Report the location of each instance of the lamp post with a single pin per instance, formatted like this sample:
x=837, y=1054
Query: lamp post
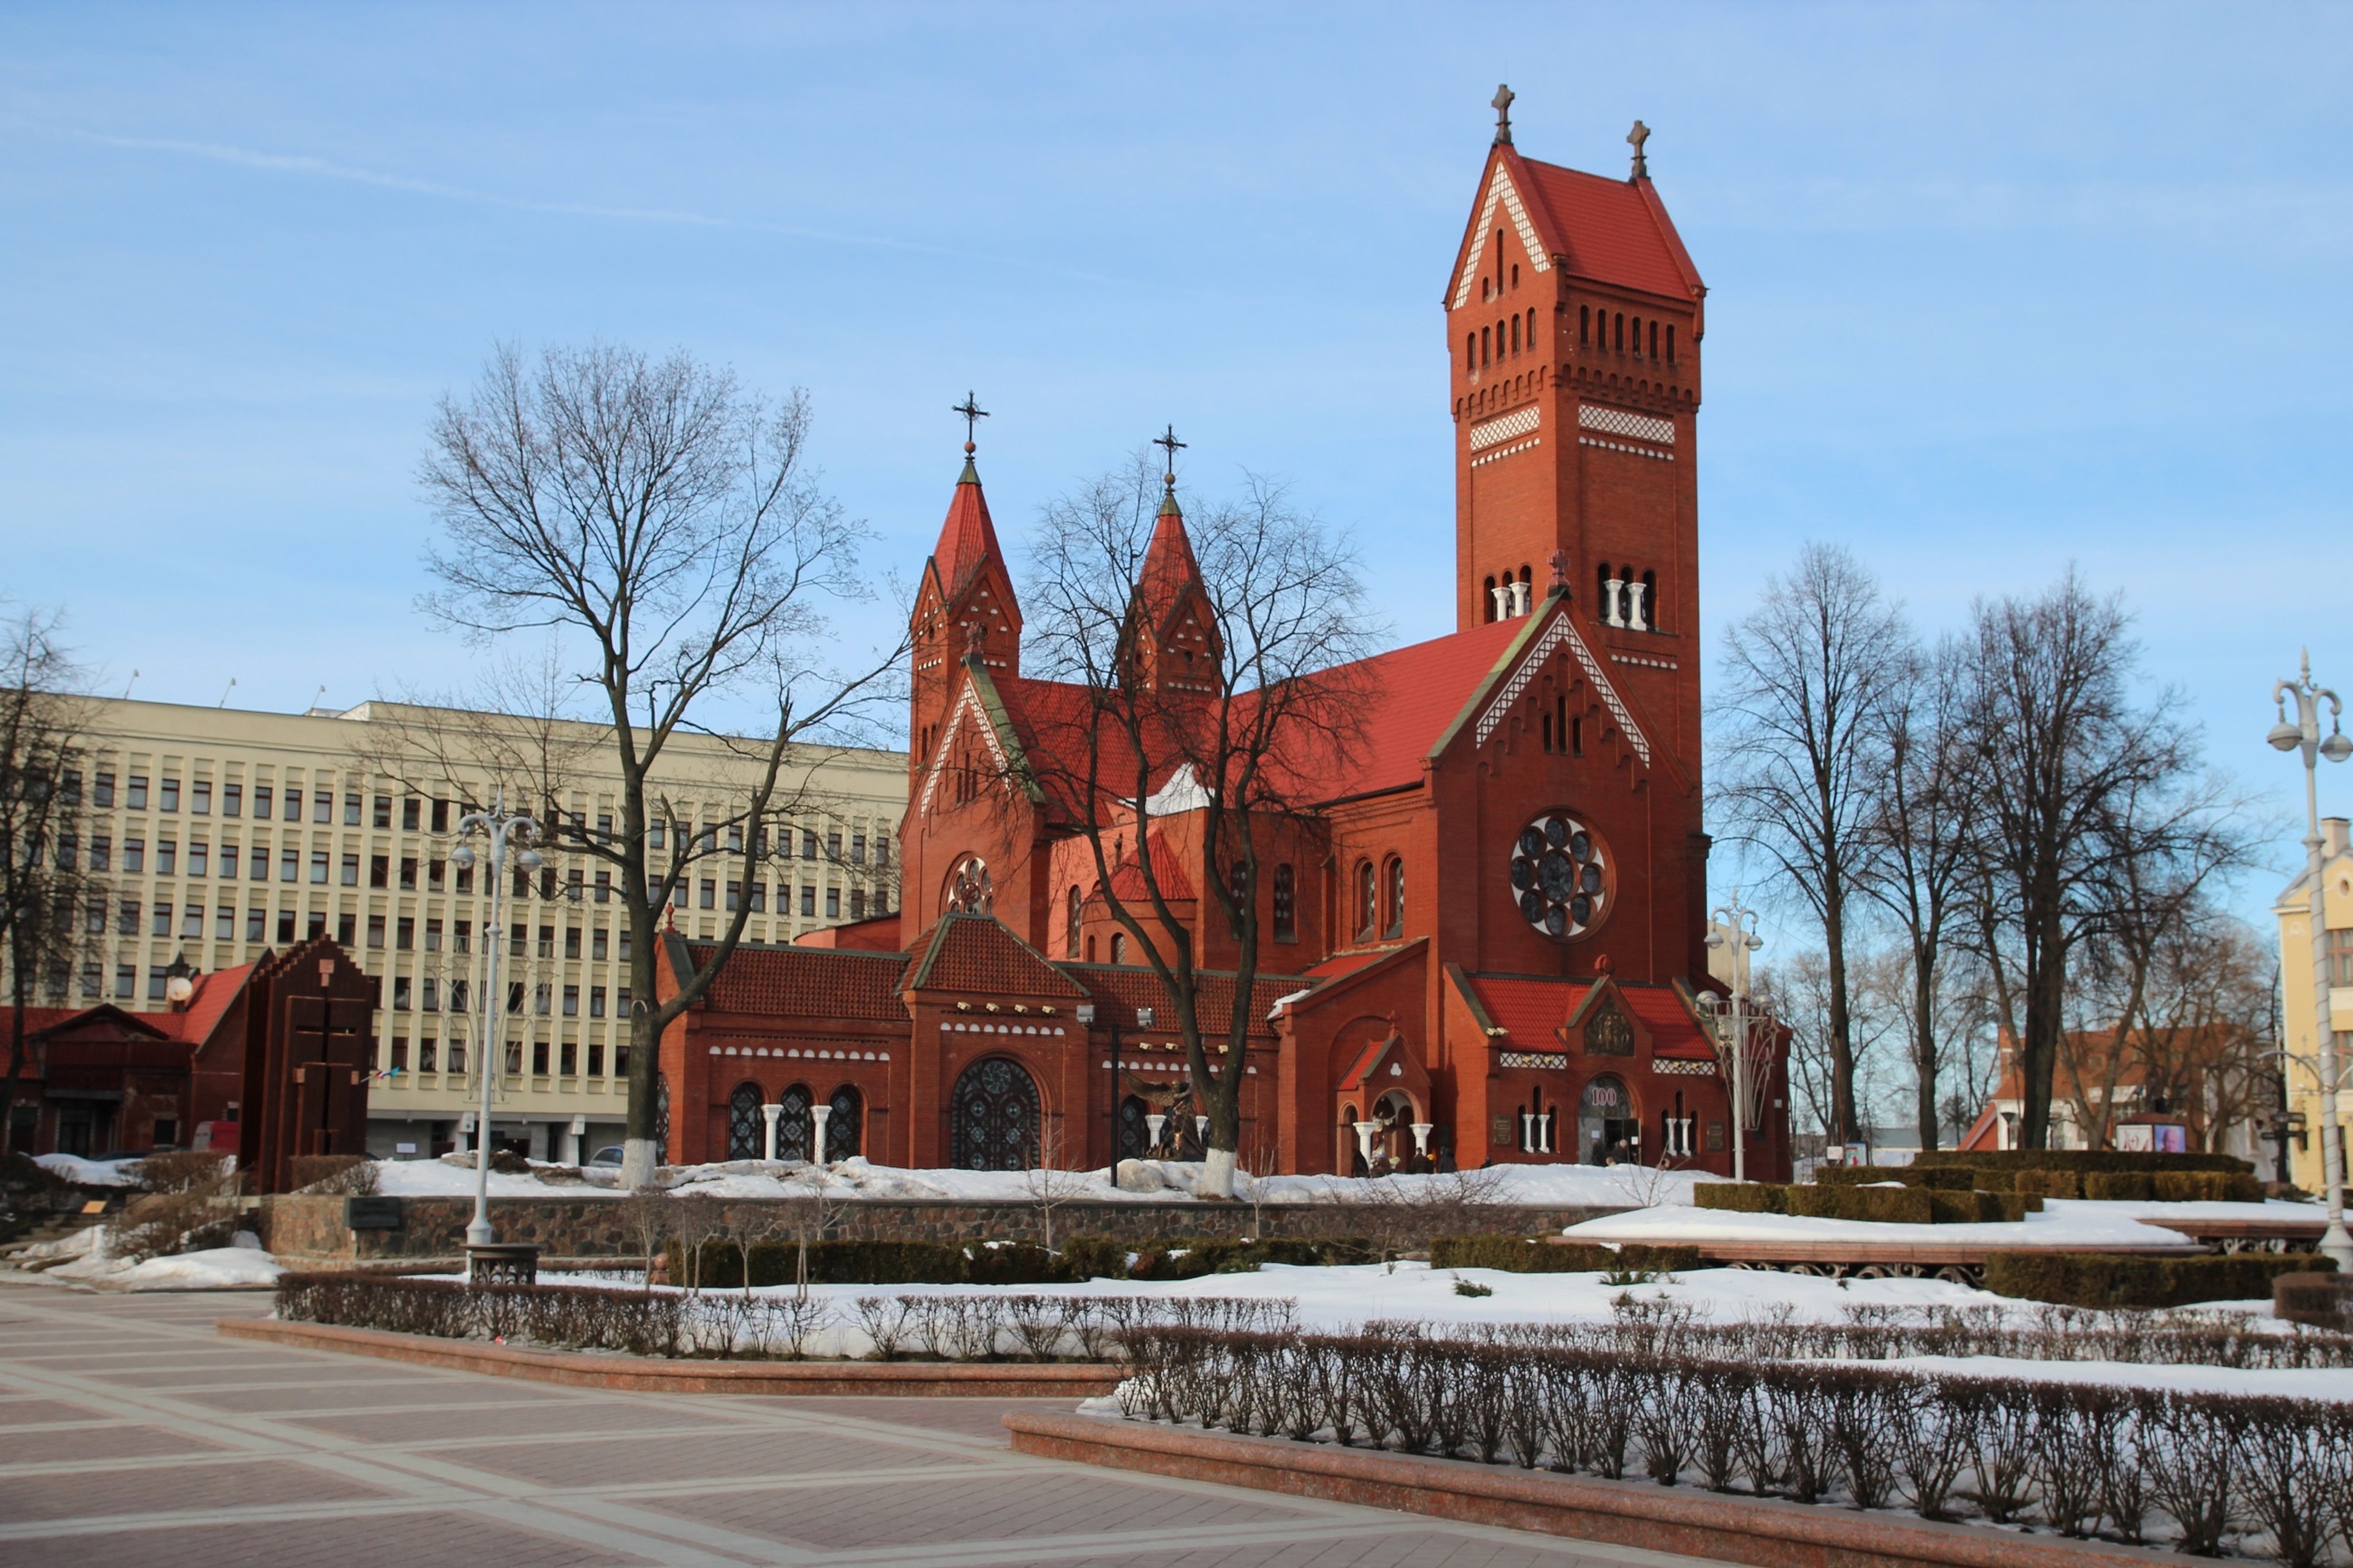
x=1737, y=925
x=1086, y=1015
x=2302, y=734
x=502, y=830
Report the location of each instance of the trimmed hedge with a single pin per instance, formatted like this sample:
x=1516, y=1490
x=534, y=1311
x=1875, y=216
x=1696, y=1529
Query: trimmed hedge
x=1937, y=1178
x=1191, y=1257
x=836, y=1263
x=1876, y=1204
x=1518, y=1255
x=2315, y=1300
x=2084, y=1160
x=2108, y=1280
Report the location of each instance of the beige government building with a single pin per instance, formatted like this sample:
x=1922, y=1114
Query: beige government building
x=221, y=833
x=2297, y=1002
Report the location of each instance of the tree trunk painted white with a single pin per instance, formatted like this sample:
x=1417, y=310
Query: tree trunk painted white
x=1218, y=1174
x=638, y=1156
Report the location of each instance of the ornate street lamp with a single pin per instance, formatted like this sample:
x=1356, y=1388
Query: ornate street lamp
x=502, y=831
x=2303, y=733
x=1735, y=926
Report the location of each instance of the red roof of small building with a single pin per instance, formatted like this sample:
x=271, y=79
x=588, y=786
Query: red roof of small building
x=214, y=992
x=1530, y=1011
x=805, y=983
x=1613, y=231
x=1130, y=987
x=979, y=953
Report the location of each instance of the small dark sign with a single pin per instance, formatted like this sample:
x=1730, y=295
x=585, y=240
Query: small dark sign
x=372, y=1214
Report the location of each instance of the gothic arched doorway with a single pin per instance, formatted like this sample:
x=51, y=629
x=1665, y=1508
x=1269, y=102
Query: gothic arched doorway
x=993, y=1117
x=845, y=1131
x=745, y=1126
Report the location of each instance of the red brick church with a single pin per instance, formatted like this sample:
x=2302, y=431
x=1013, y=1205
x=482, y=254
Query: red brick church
x=1484, y=942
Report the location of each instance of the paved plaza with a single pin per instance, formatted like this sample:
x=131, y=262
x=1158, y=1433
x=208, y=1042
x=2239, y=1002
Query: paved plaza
x=130, y=1434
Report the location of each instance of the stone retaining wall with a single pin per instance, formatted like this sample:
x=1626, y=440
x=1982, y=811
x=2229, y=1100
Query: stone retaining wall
x=307, y=1230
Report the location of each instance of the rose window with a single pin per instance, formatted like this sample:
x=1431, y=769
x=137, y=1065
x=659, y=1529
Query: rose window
x=969, y=890
x=1560, y=878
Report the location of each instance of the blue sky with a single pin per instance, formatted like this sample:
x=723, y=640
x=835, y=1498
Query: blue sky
x=1993, y=288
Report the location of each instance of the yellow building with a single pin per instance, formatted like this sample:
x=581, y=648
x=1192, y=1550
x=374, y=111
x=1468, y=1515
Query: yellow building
x=2296, y=1002
x=221, y=834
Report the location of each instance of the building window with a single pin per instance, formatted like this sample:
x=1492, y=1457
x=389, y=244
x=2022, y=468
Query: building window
x=1369, y=903
x=286, y=925
x=261, y=803
x=319, y=809
x=596, y=1001
x=708, y=894
x=858, y=849
x=126, y=981
x=1119, y=947
x=1394, y=893
x=192, y=922
x=543, y=998
x=400, y=996
x=134, y=855
x=155, y=983
x=346, y=927
x=1070, y=925
x=166, y=857
x=404, y=933
x=412, y=810
x=604, y=892
x=200, y=798
x=379, y=871
x=232, y=800
x=258, y=867
x=808, y=844
x=409, y=874
x=103, y=789
x=102, y=850
x=597, y=943
x=833, y=903
x=168, y=795
x=547, y=941
x=858, y=903
x=162, y=923
x=199, y=860
x=808, y=899
x=572, y=1001
x=351, y=871
x=225, y=923
x=228, y=860
x=430, y=999
x=758, y=894
x=127, y=918
x=255, y=922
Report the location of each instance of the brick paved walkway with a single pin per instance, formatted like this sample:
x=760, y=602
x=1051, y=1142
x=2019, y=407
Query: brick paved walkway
x=129, y=1432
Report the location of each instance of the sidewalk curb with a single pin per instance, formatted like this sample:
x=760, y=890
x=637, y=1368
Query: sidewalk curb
x=995, y=1380
x=1764, y=1532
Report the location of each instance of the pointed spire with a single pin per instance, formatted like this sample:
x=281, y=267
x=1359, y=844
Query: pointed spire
x=967, y=538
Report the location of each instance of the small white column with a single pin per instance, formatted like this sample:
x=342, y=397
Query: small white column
x=1502, y=592
x=1421, y=1136
x=1154, y=1123
x=769, y=1114
x=1519, y=598
x=1365, y=1131
x=818, y=1116
x=1610, y=615
x=1637, y=614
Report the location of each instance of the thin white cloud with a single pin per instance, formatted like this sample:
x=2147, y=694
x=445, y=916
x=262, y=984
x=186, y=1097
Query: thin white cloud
x=326, y=169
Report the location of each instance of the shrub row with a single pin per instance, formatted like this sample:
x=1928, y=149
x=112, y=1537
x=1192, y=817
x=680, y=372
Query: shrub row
x=2315, y=1300
x=2081, y=1160
x=2165, y=1185
x=2108, y=1279
x=721, y=1264
x=1879, y=1205
x=721, y=1324
x=1525, y=1255
x=2208, y=1471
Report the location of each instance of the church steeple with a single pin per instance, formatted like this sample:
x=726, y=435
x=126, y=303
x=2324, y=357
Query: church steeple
x=1172, y=631
x=964, y=605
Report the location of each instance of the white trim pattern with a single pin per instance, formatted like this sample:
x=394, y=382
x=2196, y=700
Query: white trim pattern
x=1554, y=1060
x=1621, y=422
x=1500, y=189
x=1561, y=633
x=1676, y=1067
x=968, y=700
x=1629, y=451
x=1514, y=449
x=1503, y=427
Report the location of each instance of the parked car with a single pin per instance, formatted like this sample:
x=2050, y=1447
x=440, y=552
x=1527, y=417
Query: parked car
x=610, y=1154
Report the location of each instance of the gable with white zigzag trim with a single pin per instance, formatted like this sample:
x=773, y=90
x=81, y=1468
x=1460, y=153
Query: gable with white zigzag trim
x=1561, y=633
x=967, y=702
x=1501, y=192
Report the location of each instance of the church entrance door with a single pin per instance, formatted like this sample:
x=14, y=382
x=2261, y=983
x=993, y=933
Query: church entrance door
x=1606, y=1126
x=993, y=1117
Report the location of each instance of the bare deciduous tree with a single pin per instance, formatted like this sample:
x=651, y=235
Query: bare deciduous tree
x=666, y=526
x=1802, y=749
x=2087, y=803
x=44, y=887
x=1265, y=704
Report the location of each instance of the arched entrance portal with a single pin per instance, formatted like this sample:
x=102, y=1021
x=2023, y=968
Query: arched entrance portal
x=1606, y=1126
x=993, y=1117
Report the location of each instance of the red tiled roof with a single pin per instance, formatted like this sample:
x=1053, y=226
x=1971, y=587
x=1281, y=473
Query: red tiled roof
x=1530, y=1010
x=1614, y=231
x=979, y=953
x=967, y=538
x=1342, y=964
x=1127, y=878
x=807, y=983
x=1168, y=563
x=1411, y=694
x=214, y=994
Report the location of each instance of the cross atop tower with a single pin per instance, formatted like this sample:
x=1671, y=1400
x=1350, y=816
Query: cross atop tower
x=1501, y=105
x=972, y=415
x=1635, y=138
x=1166, y=441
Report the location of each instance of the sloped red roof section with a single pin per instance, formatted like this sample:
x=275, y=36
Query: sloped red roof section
x=1168, y=565
x=1674, y=1031
x=214, y=994
x=1130, y=987
x=1410, y=695
x=807, y=983
x=1529, y=1011
x=967, y=538
x=1613, y=231
x=1127, y=878
x=977, y=952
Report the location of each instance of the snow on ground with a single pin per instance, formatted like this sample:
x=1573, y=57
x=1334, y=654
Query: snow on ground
x=243, y=1263
x=1592, y=1186
x=90, y=1172
x=2062, y=1222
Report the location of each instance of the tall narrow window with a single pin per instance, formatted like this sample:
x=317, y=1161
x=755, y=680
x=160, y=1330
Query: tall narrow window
x=1654, y=340
x=1368, y=902
x=1394, y=897
x=1619, y=331
x=1638, y=335
x=1470, y=350
x=1649, y=601
x=1671, y=343
x=1516, y=333
x=1070, y=932
x=1485, y=354
x=1491, y=596
x=1584, y=325
x=1532, y=326
x=1286, y=904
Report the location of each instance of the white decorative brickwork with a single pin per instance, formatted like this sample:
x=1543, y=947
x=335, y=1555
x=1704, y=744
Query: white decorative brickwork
x=1551, y=1060
x=1500, y=453
x=1675, y=1067
x=1620, y=422
x=1499, y=189
x=1631, y=451
x=1559, y=634
x=1503, y=427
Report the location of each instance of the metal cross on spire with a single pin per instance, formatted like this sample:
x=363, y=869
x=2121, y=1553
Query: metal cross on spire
x=1501, y=105
x=972, y=415
x=1635, y=138
x=1166, y=441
